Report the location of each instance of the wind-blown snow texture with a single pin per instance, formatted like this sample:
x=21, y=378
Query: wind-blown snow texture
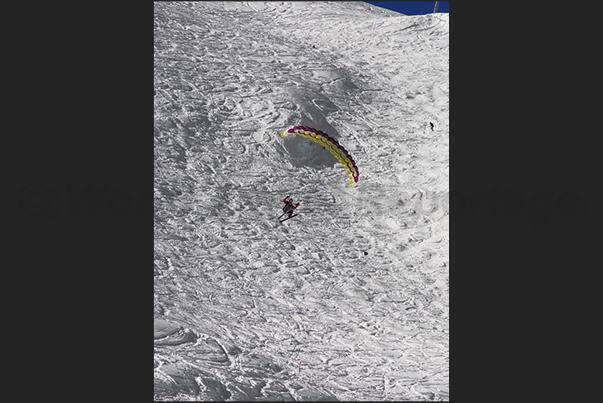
x=240, y=299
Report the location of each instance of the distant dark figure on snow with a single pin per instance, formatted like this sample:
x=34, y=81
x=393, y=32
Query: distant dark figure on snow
x=431, y=124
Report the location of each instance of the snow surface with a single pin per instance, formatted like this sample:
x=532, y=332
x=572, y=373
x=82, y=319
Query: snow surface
x=240, y=299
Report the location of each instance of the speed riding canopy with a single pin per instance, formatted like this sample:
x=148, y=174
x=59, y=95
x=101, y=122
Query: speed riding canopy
x=330, y=144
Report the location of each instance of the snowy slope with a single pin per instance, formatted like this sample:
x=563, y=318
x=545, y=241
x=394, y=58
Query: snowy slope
x=240, y=299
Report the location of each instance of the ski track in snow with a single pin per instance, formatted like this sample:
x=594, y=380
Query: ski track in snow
x=240, y=299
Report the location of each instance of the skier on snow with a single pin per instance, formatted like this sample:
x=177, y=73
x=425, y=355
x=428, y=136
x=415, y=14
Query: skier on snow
x=289, y=207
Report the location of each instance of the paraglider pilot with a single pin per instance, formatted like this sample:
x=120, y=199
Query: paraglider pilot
x=289, y=207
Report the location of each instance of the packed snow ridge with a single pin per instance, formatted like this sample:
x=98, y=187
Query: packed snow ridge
x=355, y=288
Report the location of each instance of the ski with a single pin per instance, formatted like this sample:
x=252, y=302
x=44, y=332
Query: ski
x=287, y=218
